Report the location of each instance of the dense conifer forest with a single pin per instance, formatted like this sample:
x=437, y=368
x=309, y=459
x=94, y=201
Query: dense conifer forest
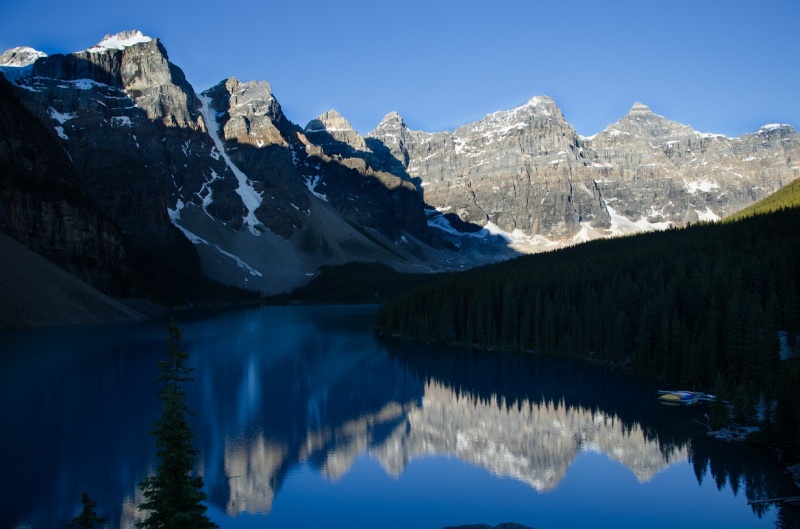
x=786, y=198
x=701, y=307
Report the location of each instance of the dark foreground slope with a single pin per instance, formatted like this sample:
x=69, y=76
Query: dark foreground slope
x=36, y=292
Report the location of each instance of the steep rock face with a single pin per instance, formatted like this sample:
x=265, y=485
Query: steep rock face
x=254, y=136
x=290, y=167
x=335, y=135
x=139, y=148
x=137, y=64
x=43, y=205
x=658, y=170
x=113, y=106
x=250, y=113
x=265, y=202
x=263, y=205
x=517, y=169
x=528, y=172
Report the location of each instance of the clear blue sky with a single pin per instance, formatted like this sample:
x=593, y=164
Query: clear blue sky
x=726, y=67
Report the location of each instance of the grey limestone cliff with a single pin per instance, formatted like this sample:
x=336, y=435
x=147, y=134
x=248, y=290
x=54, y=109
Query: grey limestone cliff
x=265, y=202
x=335, y=134
x=44, y=206
x=263, y=205
x=529, y=173
x=126, y=117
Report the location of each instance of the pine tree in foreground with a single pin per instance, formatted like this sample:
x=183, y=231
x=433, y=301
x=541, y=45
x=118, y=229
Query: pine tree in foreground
x=88, y=516
x=173, y=497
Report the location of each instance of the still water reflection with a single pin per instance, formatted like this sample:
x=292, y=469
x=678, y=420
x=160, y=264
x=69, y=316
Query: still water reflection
x=305, y=419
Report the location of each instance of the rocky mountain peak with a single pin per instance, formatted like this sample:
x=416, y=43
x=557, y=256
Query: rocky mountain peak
x=392, y=120
x=20, y=57
x=640, y=109
x=330, y=128
x=129, y=62
x=253, y=98
x=154, y=156
x=120, y=41
x=330, y=121
x=247, y=112
x=544, y=104
x=537, y=111
x=235, y=86
x=642, y=123
x=780, y=128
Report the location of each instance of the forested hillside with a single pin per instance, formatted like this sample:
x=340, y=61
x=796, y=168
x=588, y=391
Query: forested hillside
x=699, y=307
x=787, y=197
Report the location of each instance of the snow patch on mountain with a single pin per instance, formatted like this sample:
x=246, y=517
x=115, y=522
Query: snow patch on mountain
x=505, y=121
x=250, y=197
x=703, y=185
x=175, y=217
x=61, y=117
x=711, y=135
x=17, y=63
x=516, y=240
x=312, y=186
x=20, y=57
x=121, y=121
x=773, y=126
x=440, y=222
x=707, y=215
x=206, y=193
x=622, y=225
x=87, y=84
x=120, y=41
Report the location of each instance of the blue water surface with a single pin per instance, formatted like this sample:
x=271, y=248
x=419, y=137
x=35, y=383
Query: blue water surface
x=305, y=418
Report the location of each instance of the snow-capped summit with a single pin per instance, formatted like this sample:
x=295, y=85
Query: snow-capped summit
x=120, y=41
x=770, y=127
x=20, y=57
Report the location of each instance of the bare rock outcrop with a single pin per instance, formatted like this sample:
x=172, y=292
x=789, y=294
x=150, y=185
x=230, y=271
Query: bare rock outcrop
x=529, y=173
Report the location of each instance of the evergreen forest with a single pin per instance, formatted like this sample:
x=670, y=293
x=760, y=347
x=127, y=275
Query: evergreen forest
x=704, y=307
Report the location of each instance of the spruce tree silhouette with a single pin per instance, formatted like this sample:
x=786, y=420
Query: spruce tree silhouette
x=88, y=516
x=173, y=497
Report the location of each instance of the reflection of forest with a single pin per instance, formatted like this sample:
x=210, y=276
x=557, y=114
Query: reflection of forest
x=628, y=399
x=396, y=413
x=526, y=418
x=323, y=397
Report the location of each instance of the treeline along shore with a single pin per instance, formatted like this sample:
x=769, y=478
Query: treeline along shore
x=704, y=307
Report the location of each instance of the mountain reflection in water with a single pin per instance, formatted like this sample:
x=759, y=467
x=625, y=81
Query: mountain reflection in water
x=280, y=389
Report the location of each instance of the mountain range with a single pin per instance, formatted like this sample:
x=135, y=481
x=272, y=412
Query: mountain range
x=118, y=171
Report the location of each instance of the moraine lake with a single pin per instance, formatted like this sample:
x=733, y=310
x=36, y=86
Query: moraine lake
x=304, y=418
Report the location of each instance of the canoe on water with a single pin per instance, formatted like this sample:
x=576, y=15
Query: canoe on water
x=685, y=395
x=678, y=397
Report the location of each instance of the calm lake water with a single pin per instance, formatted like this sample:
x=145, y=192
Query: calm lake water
x=305, y=419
